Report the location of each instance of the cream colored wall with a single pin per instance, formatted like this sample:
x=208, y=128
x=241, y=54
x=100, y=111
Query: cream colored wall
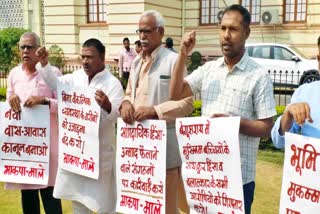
x=122, y=21
x=32, y=16
x=61, y=24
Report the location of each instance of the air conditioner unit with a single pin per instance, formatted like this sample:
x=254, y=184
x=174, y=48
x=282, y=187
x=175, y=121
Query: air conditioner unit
x=270, y=17
x=219, y=15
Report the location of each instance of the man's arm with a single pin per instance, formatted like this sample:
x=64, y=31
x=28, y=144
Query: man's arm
x=171, y=110
x=256, y=128
x=179, y=88
x=126, y=108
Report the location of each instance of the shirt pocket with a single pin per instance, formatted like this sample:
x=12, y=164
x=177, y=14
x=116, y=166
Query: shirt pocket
x=164, y=90
x=239, y=98
x=42, y=89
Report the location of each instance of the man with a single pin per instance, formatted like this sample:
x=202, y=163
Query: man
x=25, y=86
x=234, y=85
x=138, y=47
x=88, y=194
x=301, y=115
x=126, y=58
x=147, y=95
x=169, y=44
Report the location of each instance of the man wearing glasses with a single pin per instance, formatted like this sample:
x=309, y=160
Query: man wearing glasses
x=147, y=95
x=26, y=87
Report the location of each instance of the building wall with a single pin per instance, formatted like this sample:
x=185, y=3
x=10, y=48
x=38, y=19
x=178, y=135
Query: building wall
x=66, y=25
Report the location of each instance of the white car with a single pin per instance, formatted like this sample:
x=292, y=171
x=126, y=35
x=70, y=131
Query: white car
x=285, y=63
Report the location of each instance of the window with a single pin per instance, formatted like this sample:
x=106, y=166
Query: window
x=263, y=52
x=295, y=10
x=282, y=54
x=253, y=6
x=96, y=11
x=209, y=12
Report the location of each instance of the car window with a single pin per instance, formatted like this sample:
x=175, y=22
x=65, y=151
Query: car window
x=249, y=50
x=261, y=52
x=281, y=53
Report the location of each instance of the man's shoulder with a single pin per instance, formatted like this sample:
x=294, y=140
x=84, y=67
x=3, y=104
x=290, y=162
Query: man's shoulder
x=312, y=87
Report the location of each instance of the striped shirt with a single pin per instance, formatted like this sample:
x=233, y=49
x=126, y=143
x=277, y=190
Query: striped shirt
x=245, y=91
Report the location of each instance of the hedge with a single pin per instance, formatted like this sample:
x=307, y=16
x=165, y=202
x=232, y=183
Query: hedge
x=3, y=92
x=265, y=143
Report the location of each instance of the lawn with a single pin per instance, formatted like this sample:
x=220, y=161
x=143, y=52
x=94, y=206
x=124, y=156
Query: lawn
x=267, y=194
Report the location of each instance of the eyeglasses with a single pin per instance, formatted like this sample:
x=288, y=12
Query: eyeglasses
x=145, y=31
x=23, y=47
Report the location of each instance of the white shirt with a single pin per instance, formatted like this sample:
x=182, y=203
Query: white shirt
x=98, y=195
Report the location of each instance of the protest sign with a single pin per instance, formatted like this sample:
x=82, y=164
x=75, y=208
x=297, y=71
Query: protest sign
x=141, y=167
x=25, y=144
x=211, y=171
x=300, y=190
x=79, y=119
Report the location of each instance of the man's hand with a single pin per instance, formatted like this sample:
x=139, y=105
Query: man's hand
x=220, y=115
x=42, y=55
x=187, y=43
x=143, y=113
x=299, y=112
x=14, y=102
x=103, y=100
x=34, y=100
x=127, y=112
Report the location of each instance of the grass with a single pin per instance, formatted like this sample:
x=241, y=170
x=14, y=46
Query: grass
x=268, y=182
x=267, y=194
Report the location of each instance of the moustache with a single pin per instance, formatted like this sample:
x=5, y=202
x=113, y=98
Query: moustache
x=144, y=41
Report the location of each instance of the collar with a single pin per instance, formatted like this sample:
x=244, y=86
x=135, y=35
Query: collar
x=241, y=65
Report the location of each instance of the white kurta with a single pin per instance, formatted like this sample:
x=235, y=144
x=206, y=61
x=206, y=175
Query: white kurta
x=98, y=195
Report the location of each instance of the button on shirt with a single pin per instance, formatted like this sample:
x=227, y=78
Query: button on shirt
x=309, y=93
x=245, y=91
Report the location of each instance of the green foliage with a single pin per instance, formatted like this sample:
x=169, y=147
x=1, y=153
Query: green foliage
x=114, y=70
x=3, y=92
x=9, y=38
x=195, y=62
x=56, y=56
x=266, y=143
x=196, y=108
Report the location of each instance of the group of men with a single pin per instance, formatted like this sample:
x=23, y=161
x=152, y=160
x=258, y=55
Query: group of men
x=233, y=85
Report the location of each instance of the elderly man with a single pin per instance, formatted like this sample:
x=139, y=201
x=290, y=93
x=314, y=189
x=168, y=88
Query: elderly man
x=147, y=94
x=26, y=86
x=232, y=85
x=88, y=194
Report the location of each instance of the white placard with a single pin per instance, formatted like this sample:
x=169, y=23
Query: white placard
x=211, y=171
x=300, y=190
x=141, y=167
x=79, y=119
x=25, y=144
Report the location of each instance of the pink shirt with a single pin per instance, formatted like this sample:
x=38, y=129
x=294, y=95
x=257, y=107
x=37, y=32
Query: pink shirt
x=25, y=85
x=125, y=59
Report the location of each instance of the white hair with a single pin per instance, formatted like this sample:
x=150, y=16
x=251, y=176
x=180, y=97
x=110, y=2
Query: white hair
x=31, y=34
x=159, y=18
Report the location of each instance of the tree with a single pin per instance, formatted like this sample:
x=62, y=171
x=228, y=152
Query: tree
x=56, y=56
x=9, y=38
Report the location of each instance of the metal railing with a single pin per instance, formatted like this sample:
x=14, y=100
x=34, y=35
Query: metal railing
x=284, y=82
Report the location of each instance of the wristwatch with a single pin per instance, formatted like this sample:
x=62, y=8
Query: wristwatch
x=46, y=101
